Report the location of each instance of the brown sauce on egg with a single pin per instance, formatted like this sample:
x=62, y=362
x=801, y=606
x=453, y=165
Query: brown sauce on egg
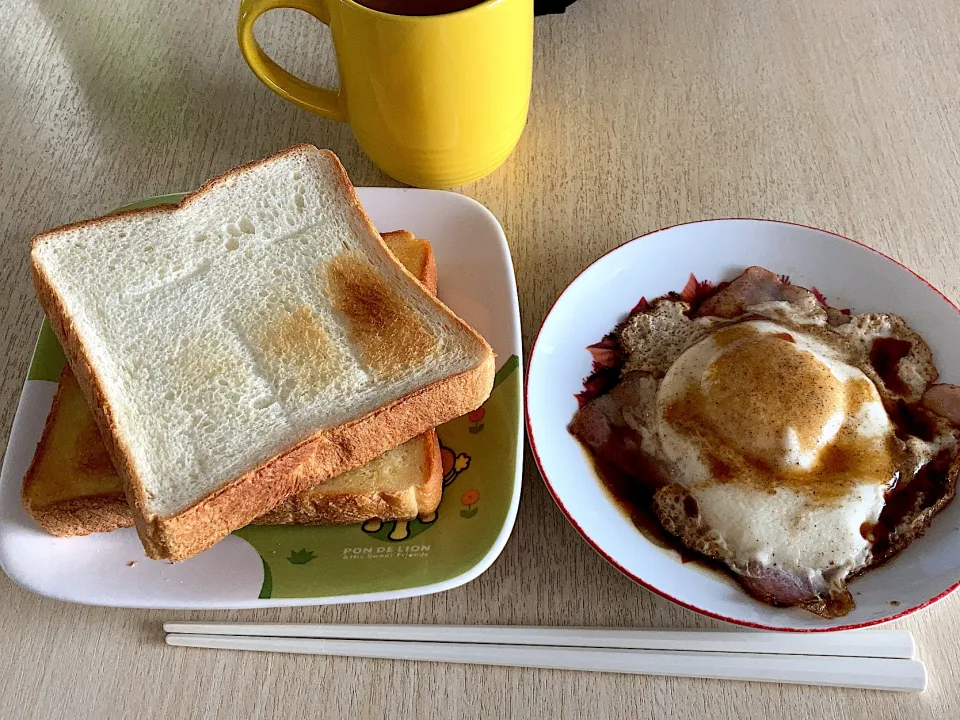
x=633, y=493
x=885, y=356
x=633, y=489
x=910, y=505
x=739, y=421
x=631, y=478
x=912, y=420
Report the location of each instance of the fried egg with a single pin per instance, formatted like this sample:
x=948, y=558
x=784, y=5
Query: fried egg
x=794, y=443
x=785, y=446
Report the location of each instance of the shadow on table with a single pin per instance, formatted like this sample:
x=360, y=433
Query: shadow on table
x=165, y=91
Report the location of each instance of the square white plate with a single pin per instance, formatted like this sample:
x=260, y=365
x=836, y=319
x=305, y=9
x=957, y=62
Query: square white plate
x=308, y=565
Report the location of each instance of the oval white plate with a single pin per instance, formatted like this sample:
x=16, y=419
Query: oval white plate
x=850, y=275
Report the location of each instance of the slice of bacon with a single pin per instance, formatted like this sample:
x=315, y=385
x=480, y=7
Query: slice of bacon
x=598, y=383
x=821, y=298
x=641, y=306
x=605, y=353
x=753, y=286
x=694, y=292
x=944, y=400
x=689, y=292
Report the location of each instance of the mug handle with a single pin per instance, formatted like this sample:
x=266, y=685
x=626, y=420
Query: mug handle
x=284, y=83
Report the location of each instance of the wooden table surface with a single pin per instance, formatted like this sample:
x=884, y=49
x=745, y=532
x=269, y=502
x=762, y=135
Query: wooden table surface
x=842, y=115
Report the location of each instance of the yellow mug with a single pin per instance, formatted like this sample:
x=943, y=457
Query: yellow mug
x=435, y=101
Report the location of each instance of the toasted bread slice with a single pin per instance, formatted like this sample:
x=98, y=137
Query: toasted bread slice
x=73, y=489
x=399, y=484
x=248, y=343
x=416, y=255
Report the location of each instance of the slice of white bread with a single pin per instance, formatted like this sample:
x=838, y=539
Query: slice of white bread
x=250, y=342
x=72, y=488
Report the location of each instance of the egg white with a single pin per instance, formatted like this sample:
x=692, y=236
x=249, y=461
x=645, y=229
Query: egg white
x=781, y=528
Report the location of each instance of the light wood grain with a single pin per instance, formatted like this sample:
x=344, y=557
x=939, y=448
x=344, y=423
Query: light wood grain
x=842, y=115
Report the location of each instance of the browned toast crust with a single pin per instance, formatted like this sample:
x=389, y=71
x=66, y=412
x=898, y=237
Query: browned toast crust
x=84, y=515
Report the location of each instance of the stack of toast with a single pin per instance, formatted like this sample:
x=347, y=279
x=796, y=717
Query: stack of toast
x=256, y=353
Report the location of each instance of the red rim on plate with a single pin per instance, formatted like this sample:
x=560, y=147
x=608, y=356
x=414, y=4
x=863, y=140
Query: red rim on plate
x=608, y=558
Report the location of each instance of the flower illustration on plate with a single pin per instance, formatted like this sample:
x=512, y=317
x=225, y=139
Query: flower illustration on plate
x=469, y=499
x=476, y=418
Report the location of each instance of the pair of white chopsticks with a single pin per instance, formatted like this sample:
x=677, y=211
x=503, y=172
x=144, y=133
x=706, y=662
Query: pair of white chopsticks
x=873, y=659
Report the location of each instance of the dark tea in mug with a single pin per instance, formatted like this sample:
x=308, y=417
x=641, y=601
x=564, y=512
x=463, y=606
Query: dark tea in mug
x=418, y=7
